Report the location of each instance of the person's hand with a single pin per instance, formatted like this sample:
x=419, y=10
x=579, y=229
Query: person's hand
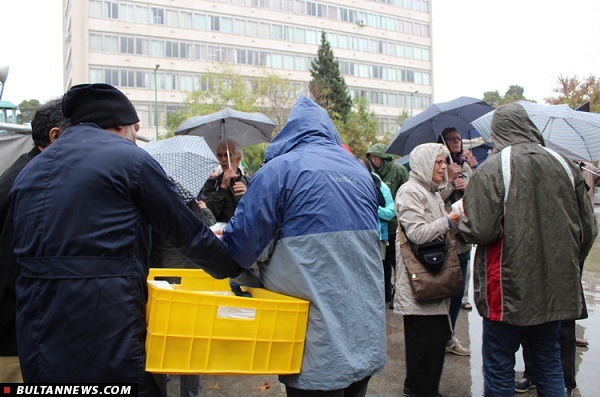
x=459, y=184
x=245, y=279
x=239, y=189
x=227, y=177
x=454, y=217
x=453, y=172
x=201, y=204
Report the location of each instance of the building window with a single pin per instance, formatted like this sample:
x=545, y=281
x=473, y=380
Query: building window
x=158, y=16
x=112, y=10
x=127, y=78
x=199, y=21
x=172, y=49
x=127, y=13
x=95, y=8
x=142, y=14
x=214, y=22
x=142, y=46
x=111, y=77
x=126, y=45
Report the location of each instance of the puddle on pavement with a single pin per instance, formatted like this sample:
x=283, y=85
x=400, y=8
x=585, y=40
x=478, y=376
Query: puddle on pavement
x=587, y=360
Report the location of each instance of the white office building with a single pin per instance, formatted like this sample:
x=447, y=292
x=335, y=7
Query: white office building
x=384, y=48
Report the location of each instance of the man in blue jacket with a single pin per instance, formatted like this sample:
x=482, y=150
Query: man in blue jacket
x=83, y=213
x=46, y=126
x=311, y=210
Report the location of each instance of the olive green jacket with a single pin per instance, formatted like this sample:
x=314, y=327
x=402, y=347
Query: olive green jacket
x=530, y=249
x=392, y=173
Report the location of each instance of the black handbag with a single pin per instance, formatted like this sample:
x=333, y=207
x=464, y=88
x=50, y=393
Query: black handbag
x=431, y=254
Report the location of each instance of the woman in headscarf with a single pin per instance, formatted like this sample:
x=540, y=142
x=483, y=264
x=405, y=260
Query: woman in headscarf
x=422, y=214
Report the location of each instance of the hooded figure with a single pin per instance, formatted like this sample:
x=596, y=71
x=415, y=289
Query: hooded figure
x=312, y=209
x=422, y=214
x=547, y=223
x=394, y=175
x=528, y=210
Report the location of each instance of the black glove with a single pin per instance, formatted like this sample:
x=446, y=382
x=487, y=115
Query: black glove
x=246, y=278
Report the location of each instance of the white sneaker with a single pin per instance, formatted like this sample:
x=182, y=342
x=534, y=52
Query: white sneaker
x=453, y=346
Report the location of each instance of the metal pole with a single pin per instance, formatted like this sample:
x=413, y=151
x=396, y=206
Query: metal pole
x=156, y=100
x=412, y=96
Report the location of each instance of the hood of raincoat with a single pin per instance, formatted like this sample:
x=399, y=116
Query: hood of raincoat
x=378, y=150
x=422, y=161
x=307, y=123
x=511, y=125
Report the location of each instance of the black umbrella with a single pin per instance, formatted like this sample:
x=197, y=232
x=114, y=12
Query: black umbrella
x=428, y=125
x=243, y=127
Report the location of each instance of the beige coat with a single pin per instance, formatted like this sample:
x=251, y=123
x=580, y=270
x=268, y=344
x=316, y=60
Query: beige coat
x=421, y=211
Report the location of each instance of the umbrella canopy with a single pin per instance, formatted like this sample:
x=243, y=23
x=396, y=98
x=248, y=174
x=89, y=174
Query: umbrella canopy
x=428, y=125
x=243, y=127
x=187, y=160
x=573, y=134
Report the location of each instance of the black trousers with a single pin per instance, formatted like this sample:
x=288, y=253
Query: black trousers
x=389, y=264
x=425, y=339
x=567, y=354
x=357, y=389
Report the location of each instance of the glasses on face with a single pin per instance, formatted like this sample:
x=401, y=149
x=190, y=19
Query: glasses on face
x=222, y=155
x=440, y=163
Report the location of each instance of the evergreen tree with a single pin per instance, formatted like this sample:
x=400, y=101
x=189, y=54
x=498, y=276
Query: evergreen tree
x=27, y=111
x=327, y=86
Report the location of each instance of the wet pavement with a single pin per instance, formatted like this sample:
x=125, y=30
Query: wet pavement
x=462, y=376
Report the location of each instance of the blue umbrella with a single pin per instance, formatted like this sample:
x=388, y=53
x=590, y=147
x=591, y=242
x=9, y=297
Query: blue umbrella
x=428, y=125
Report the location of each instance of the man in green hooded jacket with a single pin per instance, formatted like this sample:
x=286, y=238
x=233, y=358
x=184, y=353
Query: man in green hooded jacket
x=394, y=175
x=528, y=211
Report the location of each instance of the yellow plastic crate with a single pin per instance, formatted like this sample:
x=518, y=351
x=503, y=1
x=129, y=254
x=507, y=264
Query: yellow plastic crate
x=192, y=329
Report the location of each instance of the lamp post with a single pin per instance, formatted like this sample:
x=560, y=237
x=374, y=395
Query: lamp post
x=156, y=100
x=3, y=77
x=412, y=99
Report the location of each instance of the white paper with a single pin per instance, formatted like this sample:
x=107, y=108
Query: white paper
x=160, y=284
x=457, y=207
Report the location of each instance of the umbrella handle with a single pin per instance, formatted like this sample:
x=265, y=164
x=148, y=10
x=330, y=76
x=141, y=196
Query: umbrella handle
x=224, y=134
x=588, y=170
x=445, y=144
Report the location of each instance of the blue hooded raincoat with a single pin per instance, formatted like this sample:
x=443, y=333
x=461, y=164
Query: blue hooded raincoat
x=310, y=213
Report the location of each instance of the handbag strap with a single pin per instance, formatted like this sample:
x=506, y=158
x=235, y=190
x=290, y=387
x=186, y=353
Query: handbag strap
x=404, y=239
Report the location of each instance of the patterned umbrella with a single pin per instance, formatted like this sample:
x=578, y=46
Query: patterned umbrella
x=576, y=135
x=187, y=160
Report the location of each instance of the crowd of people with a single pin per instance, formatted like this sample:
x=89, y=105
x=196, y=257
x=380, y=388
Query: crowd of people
x=86, y=212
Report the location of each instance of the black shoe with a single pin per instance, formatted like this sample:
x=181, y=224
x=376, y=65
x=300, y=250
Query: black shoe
x=523, y=384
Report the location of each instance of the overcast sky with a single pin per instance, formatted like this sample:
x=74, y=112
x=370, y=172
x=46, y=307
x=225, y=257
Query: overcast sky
x=479, y=46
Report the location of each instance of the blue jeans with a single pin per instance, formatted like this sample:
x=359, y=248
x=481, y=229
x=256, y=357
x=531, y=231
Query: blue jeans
x=456, y=300
x=500, y=343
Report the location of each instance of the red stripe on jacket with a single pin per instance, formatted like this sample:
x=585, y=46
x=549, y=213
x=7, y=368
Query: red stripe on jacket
x=493, y=261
